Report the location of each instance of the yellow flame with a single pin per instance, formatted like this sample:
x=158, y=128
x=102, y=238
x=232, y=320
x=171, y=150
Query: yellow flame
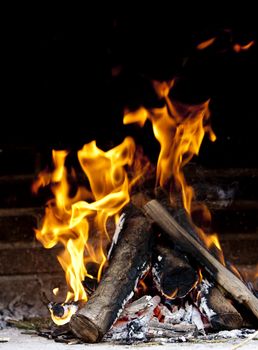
x=180, y=130
x=69, y=220
x=55, y=291
x=69, y=310
x=172, y=295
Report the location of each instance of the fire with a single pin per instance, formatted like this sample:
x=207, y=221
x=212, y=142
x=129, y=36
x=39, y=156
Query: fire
x=205, y=44
x=79, y=221
x=69, y=220
x=180, y=130
x=238, y=48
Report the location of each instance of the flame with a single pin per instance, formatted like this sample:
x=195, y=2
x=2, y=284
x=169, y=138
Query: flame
x=69, y=220
x=213, y=240
x=205, y=44
x=172, y=295
x=55, y=291
x=180, y=130
x=238, y=48
x=69, y=310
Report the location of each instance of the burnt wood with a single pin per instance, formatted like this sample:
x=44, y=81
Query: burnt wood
x=172, y=273
x=225, y=278
x=227, y=317
x=130, y=258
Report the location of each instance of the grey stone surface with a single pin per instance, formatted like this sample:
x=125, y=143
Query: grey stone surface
x=18, y=341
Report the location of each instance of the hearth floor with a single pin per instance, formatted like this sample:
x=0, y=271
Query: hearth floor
x=20, y=341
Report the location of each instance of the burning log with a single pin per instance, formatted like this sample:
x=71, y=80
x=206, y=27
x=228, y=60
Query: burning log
x=225, y=278
x=173, y=275
x=226, y=316
x=217, y=308
x=130, y=257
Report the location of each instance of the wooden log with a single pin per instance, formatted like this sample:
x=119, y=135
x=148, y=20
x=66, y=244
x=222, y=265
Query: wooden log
x=130, y=257
x=225, y=278
x=172, y=273
x=226, y=316
x=217, y=308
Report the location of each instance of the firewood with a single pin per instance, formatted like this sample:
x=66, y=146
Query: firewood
x=129, y=258
x=227, y=317
x=225, y=278
x=173, y=275
x=217, y=308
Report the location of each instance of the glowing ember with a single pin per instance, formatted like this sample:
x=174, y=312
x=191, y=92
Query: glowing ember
x=239, y=48
x=205, y=44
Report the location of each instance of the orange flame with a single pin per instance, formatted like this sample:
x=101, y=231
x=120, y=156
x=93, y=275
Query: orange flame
x=205, y=44
x=238, y=48
x=69, y=220
x=180, y=130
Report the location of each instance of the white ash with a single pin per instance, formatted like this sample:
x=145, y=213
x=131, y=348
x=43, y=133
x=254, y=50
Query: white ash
x=137, y=305
x=176, y=317
x=148, y=320
x=19, y=309
x=139, y=323
x=203, y=306
x=130, y=332
x=233, y=334
x=197, y=320
x=156, y=276
x=205, y=309
x=188, y=313
x=205, y=286
x=129, y=297
x=118, y=229
x=168, y=315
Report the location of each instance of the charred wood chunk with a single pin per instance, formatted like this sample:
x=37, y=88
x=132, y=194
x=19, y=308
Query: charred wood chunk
x=173, y=275
x=218, y=309
x=225, y=278
x=130, y=256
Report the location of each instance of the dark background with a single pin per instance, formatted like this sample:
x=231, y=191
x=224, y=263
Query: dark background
x=68, y=74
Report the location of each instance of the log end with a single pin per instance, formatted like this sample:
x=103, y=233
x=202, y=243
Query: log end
x=227, y=317
x=180, y=281
x=226, y=321
x=85, y=329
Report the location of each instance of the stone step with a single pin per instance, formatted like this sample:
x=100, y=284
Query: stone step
x=28, y=258
x=18, y=224
x=217, y=188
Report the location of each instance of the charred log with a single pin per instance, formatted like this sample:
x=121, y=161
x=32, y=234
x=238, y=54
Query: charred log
x=218, y=309
x=173, y=275
x=129, y=257
x=225, y=278
x=227, y=317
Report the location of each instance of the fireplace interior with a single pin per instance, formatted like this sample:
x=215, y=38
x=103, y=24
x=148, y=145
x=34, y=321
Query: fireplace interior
x=66, y=88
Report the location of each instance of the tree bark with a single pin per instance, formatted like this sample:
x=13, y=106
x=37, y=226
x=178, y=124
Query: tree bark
x=225, y=278
x=130, y=257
